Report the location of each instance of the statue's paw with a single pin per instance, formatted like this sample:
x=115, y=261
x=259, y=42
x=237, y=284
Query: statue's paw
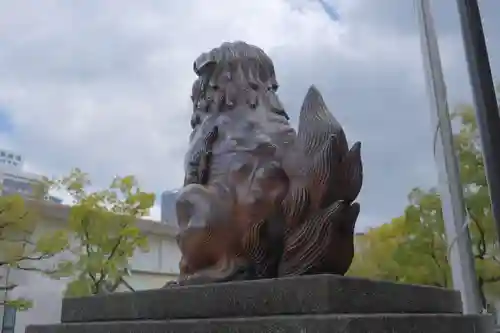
x=170, y=284
x=230, y=270
x=187, y=280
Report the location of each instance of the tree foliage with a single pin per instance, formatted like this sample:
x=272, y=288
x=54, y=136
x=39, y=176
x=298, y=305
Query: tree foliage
x=20, y=249
x=413, y=248
x=104, y=224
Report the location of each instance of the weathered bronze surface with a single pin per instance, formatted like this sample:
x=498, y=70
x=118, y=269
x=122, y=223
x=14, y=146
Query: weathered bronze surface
x=261, y=200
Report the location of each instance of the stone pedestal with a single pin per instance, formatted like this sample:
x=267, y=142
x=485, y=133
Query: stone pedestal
x=309, y=304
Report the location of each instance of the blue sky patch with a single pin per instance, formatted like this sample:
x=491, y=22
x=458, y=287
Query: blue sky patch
x=6, y=125
x=329, y=10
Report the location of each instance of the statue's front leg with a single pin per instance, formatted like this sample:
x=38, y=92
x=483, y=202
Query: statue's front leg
x=210, y=243
x=210, y=256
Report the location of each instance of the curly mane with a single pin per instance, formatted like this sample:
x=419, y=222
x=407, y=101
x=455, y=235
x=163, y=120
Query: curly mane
x=235, y=74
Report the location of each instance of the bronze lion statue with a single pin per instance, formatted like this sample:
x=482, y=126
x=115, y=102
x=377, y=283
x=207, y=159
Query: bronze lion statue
x=261, y=200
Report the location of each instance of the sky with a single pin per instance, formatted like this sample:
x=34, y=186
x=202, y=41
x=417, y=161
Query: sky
x=104, y=85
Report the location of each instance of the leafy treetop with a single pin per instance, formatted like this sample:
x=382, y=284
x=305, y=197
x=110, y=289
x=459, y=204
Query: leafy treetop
x=413, y=248
x=104, y=224
x=21, y=247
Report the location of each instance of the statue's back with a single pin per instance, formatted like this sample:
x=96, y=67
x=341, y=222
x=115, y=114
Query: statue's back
x=260, y=198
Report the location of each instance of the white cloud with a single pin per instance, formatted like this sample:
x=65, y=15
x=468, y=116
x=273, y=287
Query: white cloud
x=104, y=84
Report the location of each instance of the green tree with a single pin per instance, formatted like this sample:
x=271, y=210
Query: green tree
x=420, y=252
x=403, y=252
x=104, y=224
x=375, y=250
x=20, y=249
x=482, y=227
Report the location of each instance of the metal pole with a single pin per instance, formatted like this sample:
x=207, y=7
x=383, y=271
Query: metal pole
x=5, y=295
x=485, y=102
x=461, y=258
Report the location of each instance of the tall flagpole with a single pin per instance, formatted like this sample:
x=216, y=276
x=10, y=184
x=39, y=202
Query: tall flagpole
x=485, y=102
x=457, y=232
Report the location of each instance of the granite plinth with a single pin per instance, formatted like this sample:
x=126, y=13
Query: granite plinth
x=403, y=323
x=308, y=304
x=320, y=294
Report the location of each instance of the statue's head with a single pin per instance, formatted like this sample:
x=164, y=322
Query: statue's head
x=236, y=61
x=233, y=75
x=235, y=92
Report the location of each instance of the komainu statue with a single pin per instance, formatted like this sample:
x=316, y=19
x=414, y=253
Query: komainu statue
x=261, y=200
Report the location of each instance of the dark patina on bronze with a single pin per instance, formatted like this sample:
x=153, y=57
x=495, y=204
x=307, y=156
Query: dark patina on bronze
x=261, y=200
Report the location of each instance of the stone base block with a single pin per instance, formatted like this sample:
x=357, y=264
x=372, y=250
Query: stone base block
x=319, y=294
x=307, y=304
x=390, y=323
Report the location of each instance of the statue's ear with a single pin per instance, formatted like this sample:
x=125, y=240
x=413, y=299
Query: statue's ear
x=204, y=66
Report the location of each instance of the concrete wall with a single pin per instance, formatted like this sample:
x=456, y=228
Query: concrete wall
x=162, y=257
x=149, y=270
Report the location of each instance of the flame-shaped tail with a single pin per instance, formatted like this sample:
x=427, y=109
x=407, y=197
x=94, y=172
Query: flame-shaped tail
x=320, y=211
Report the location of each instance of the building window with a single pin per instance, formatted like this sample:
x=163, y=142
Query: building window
x=12, y=186
x=18, y=158
x=11, y=156
x=2, y=153
x=9, y=319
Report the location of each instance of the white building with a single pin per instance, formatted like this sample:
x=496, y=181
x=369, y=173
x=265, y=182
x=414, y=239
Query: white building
x=168, y=213
x=13, y=178
x=149, y=270
x=11, y=158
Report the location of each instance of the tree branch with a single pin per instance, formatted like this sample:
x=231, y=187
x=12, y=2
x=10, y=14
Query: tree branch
x=35, y=269
x=481, y=244
x=127, y=284
x=26, y=258
x=110, y=256
x=444, y=275
x=481, y=283
x=19, y=218
x=86, y=240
